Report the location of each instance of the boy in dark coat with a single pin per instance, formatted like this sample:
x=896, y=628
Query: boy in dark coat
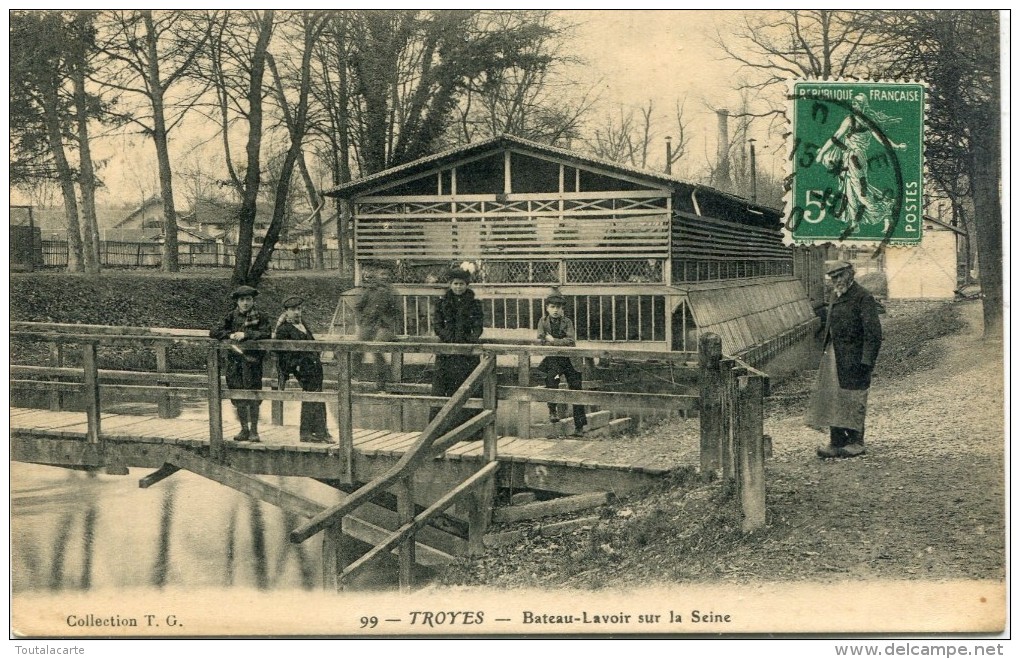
x=457, y=319
x=306, y=367
x=244, y=367
x=853, y=336
x=555, y=329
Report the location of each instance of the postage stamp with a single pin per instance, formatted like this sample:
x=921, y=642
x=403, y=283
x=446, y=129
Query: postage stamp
x=856, y=162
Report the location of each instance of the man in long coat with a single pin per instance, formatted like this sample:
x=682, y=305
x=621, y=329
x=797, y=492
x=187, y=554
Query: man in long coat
x=853, y=336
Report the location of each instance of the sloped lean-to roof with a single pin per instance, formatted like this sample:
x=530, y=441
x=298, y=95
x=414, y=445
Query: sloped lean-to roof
x=746, y=314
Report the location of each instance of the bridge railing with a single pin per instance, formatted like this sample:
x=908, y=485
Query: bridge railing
x=729, y=402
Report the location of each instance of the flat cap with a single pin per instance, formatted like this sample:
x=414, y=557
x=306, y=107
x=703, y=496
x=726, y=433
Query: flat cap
x=242, y=291
x=832, y=267
x=293, y=301
x=556, y=298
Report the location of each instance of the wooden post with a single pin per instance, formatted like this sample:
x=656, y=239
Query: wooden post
x=345, y=415
x=56, y=360
x=336, y=555
x=396, y=420
x=751, y=451
x=524, y=407
x=711, y=409
x=276, y=406
x=166, y=400
x=726, y=370
x=91, y=392
x=489, y=402
x=215, y=405
x=405, y=513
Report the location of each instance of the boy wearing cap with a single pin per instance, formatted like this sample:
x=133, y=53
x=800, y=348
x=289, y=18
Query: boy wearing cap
x=457, y=319
x=853, y=336
x=306, y=367
x=555, y=329
x=244, y=367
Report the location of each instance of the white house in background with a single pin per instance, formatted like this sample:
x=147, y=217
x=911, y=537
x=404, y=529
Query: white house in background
x=927, y=270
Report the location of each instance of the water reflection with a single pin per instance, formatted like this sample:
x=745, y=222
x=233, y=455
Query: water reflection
x=73, y=530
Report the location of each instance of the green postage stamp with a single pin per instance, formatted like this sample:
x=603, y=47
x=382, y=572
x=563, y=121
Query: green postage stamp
x=856, y=161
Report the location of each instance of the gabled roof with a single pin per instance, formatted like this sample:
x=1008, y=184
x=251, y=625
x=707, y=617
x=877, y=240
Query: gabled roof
x=450, y=156
x=148, y=203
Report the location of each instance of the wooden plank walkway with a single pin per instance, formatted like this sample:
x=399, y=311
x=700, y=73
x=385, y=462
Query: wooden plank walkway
x=194, y=432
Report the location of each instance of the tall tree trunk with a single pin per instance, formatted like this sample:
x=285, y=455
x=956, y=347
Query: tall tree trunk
x=66, y=176
x=344, y=233
x=316, y=203
x=170, y=261
x=297, y=133
x=252, y=176
x=988, y=216
x=87, y=175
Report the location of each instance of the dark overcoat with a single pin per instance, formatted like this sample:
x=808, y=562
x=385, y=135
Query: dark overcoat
x=457, y=319
x=306, y=366
x=856, y=335
x=244, y=371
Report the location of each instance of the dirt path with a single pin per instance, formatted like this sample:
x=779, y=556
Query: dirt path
x=928, y=499
x=926, y=502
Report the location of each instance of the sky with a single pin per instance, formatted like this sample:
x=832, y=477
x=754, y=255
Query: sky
x=629, y=57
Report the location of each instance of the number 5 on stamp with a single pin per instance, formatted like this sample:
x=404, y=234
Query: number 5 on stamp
x=856, y=162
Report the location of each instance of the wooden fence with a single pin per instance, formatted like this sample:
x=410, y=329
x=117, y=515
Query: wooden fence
x=730, y=406
x=119, y=254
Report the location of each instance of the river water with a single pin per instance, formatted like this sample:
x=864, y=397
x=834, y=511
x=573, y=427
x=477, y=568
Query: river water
x=72, y=530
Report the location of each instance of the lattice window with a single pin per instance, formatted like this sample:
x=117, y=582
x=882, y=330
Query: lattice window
x=615, y=271
x=519, y=272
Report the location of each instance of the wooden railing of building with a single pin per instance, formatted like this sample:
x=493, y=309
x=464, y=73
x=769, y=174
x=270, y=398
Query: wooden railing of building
x=730, y=405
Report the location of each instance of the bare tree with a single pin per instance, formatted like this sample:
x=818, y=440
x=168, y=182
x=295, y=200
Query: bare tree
x=957, y=53
x=151, y=55
x=775, y=46
x=630, y=137
x=48, y=50
x=239, y=59
x=534, y=98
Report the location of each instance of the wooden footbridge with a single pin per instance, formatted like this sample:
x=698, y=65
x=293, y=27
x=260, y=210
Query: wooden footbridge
x=428, y=493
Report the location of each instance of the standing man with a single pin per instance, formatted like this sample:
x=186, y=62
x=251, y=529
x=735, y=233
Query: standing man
x=306, y=366
x=244, y=367
x=457, y=319
x=379, y=315
x=852, y=338
x=555, y=329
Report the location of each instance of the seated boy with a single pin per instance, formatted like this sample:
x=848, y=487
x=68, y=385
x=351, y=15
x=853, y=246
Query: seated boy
x=555, y=329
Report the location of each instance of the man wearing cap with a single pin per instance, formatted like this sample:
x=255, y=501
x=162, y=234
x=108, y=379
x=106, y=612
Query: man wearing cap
x=244, y=367
x=852, y=338
x=555, y=329
x=305, y=366
x=457, y=319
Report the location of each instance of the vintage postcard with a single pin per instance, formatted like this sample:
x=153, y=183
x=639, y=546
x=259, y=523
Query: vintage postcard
x=363, y=324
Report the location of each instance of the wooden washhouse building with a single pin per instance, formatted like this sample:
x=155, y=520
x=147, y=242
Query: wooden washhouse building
x=645, y=260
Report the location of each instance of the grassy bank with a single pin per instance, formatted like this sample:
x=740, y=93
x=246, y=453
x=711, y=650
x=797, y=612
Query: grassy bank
x=153, y=299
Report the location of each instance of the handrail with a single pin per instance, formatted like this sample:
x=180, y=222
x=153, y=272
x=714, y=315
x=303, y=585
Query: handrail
x=417, y=453
x=408, y=529
x=110, y=335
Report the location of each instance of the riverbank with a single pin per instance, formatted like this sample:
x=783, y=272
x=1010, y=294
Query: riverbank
x=925, y=503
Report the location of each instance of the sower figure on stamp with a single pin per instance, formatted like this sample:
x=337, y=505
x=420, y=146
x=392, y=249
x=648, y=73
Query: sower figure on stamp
x=244, y=367
x=378, y=315
x=305, y=366
x=457, y=319
x=555, y=329
x=853, y=336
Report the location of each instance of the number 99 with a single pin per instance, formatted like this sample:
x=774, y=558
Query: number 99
x=369, y=621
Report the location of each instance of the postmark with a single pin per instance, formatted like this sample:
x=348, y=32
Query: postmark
x=856, y=171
